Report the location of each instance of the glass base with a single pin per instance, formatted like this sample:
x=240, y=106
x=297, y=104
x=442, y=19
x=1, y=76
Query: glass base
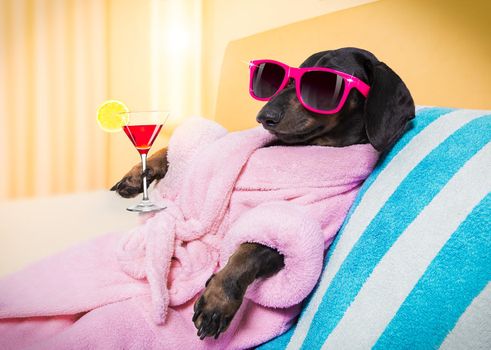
x=144, y=206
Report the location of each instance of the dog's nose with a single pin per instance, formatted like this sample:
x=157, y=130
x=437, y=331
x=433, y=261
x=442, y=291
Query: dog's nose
x=269, y=117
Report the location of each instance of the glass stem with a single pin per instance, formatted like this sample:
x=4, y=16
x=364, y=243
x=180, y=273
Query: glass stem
x=144, y=167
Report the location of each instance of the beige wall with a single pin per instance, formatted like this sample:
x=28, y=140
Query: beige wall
x=227, y=20
x=440, y=48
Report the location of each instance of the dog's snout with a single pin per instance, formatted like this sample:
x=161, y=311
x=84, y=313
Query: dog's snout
x=269, y=117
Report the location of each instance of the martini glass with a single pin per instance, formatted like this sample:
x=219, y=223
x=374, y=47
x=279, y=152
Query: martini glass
x=142, y=129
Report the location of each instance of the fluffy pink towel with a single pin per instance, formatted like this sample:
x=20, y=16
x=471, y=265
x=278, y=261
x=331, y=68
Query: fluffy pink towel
x=222, y=189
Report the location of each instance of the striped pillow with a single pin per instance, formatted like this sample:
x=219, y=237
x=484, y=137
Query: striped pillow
x=411, y=267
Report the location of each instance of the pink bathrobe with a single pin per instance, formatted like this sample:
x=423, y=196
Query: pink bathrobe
x=136, y=290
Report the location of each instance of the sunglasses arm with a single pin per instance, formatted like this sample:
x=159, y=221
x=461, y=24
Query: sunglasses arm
x=359, y=85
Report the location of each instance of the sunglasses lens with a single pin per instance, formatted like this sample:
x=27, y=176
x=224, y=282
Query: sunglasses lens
x=321, y=90
x=267, y=79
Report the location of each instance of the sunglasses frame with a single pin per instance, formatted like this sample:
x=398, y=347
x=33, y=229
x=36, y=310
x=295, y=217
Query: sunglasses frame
x=350, y=82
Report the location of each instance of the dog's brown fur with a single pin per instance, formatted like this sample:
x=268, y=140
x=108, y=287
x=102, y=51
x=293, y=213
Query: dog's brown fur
x=380, y=119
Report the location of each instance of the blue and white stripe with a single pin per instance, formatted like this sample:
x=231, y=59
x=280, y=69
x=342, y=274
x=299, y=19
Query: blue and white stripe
x=414, y=252
x=472, y=329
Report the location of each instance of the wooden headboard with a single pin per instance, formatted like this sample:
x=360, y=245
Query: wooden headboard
x=441, y=49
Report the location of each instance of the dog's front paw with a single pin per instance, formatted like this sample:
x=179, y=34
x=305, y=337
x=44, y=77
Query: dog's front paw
x=131, y=184
x=215, y=308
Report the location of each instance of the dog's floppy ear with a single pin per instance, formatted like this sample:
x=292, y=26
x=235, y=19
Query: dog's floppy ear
x=388, y=108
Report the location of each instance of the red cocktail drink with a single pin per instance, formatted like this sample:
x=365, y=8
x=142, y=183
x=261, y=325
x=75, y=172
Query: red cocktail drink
x=142, y=129
x=142, y=136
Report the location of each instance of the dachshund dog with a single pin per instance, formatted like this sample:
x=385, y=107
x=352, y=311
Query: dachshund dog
x=380, y=118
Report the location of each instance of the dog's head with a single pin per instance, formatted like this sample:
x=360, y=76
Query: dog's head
x=380, y=118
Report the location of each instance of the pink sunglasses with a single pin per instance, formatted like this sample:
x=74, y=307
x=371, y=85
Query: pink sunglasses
x=320, y=90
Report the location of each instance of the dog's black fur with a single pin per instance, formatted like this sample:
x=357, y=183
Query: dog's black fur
x=379, y=119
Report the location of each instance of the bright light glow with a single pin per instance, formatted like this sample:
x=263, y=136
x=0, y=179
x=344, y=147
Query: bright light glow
x=176, y=58
x=177, y=39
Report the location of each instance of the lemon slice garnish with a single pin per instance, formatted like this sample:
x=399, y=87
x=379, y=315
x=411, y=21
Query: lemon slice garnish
x=112, y=115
